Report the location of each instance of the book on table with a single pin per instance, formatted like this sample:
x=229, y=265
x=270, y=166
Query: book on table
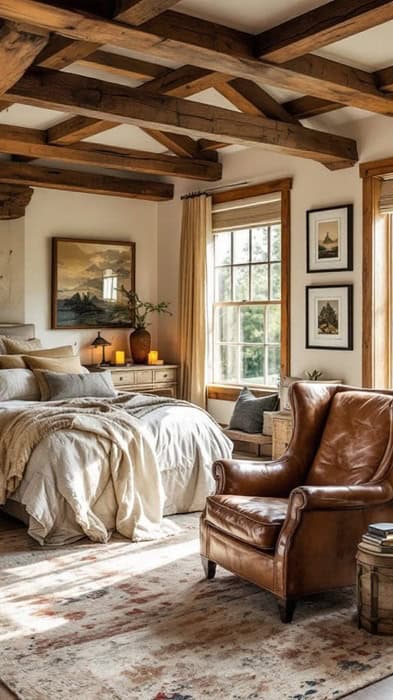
x=381, y=530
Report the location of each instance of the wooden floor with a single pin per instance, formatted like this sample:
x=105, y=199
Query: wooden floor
x=378, y=691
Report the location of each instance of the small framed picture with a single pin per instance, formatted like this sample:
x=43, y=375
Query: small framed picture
x=330, y=239
x=329, y=317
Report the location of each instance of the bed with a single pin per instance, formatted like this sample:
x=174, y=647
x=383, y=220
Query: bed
x=113, y=464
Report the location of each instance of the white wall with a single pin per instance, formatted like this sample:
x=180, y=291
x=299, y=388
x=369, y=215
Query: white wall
x=12, y=268
x=54, y=213
x=313, y=186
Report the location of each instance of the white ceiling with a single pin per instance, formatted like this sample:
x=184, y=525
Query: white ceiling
x=370, y=50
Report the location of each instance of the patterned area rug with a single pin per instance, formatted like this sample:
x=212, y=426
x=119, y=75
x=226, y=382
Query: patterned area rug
x=130, y=621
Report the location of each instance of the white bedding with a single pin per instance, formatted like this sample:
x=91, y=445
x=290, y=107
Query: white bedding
x=185, y=442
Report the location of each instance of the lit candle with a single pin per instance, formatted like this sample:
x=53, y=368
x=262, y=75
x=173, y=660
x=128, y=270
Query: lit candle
x=120, y=357
x=152, y=357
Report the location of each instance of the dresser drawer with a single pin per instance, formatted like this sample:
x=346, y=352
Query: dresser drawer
x=162, y=376
x=144, y=376
x=123, y=378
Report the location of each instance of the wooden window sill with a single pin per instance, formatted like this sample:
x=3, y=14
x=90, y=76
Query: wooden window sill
x=225, y=392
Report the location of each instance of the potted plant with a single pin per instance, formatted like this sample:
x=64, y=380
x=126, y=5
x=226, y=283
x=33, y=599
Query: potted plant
x=140, y=338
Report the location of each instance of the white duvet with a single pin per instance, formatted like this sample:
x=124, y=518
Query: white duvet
x=184, y=442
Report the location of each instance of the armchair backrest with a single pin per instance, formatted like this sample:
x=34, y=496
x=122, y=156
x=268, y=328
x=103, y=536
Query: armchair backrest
x=352, y=438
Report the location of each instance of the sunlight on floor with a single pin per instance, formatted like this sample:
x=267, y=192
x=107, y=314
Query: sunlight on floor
x=58, y=579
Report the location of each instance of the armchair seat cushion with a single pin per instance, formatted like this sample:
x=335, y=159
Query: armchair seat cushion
x=253, y=520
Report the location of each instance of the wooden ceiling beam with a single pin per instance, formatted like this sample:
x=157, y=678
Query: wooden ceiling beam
x=324, y=25
x=76, y=129
x=252, y=99
x=125, y=105
x=124, y=66
x=384, y=79
x=138, y=12
x=31, y=143
x=61, y=52
x=74, y=181
x=18, y=50
x=307, y=107
x=207, y=45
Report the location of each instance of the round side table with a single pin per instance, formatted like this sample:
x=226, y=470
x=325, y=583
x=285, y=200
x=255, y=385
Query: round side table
x=375, y=590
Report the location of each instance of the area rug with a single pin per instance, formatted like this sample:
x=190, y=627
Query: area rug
x=130, y=621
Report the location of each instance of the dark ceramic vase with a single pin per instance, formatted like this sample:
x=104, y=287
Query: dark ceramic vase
x=140, y=343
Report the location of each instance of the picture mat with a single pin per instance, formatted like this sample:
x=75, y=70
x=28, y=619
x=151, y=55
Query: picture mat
x=339, y=219
x=315, y=297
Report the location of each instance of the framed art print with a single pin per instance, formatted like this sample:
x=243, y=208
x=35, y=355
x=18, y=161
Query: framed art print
x=329, y=317
x=87, y=275
x=330, y=239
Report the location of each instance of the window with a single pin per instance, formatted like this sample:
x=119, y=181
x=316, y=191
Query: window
x=247, y=306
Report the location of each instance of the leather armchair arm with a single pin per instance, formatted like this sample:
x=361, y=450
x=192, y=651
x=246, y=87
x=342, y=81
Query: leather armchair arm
x=342, y=497
x=246, y=478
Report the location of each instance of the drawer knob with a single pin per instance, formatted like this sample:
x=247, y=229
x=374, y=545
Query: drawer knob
x=165, y=375
x=121, y=379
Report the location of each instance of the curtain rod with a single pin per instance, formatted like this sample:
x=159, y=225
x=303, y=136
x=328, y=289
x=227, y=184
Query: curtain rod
x=199, y=193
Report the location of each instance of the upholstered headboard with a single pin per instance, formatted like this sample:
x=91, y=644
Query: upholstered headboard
x=18, y=330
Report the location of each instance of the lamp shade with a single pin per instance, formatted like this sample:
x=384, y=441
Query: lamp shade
x=99, y=341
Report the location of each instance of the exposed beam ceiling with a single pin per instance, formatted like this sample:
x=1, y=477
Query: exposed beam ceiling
x=173, y=36
x=123, y=66
x=18, y=50
x=95, y=98
x=32, y=143
x=324, y=25
x=93, y=183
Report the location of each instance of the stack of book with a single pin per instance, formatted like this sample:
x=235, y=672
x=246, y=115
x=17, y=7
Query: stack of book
x=379, y=538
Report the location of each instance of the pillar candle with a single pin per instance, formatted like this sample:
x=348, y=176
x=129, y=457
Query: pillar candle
x=152, y=357
x=120, y=357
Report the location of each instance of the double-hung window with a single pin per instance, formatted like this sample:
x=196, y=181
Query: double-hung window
x=246, y=316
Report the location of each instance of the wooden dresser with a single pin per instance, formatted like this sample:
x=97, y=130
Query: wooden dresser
x=282, y=432
x=151, y=379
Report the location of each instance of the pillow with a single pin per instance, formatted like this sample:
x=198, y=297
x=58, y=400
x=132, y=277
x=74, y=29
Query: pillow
x=12, y=362
x=17, y=346
x=248, y=412
x=70, y=365
x=65, y=365
x=73, y=386
x=62, y=351
x=18, y=384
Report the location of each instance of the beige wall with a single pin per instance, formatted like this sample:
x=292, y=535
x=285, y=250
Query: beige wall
x=12, y=265
x=53, y=213
x=314, y=186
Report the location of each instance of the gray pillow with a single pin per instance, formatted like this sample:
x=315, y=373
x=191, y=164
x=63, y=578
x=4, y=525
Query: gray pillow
x=73, y=386
x=248, y=412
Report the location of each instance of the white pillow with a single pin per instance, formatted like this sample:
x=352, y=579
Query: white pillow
x=18, y=384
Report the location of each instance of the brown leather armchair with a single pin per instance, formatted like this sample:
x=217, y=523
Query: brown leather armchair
x=292, y=526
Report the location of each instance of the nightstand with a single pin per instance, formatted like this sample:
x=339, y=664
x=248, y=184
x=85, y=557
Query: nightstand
x=148, y=379
x=282, y=432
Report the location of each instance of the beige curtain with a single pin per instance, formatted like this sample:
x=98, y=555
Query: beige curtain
x=196, y=230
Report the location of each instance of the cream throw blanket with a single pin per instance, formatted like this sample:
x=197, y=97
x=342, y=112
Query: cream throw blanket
x=133, y=466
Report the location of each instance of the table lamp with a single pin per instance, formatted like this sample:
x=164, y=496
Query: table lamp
x=101, y=342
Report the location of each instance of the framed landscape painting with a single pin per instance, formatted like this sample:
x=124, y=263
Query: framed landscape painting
x=86, y=279
x=330, y=239
x=329, y=317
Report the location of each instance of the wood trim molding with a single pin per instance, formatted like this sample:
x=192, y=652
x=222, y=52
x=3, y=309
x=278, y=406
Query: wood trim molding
x=372, y=241
x=261, y=188
x=375, y=168
x=286, y=282
x=224, y=392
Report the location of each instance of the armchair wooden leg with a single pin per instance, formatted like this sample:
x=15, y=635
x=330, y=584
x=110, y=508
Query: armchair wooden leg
x=209, y=567
x=286, y=609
